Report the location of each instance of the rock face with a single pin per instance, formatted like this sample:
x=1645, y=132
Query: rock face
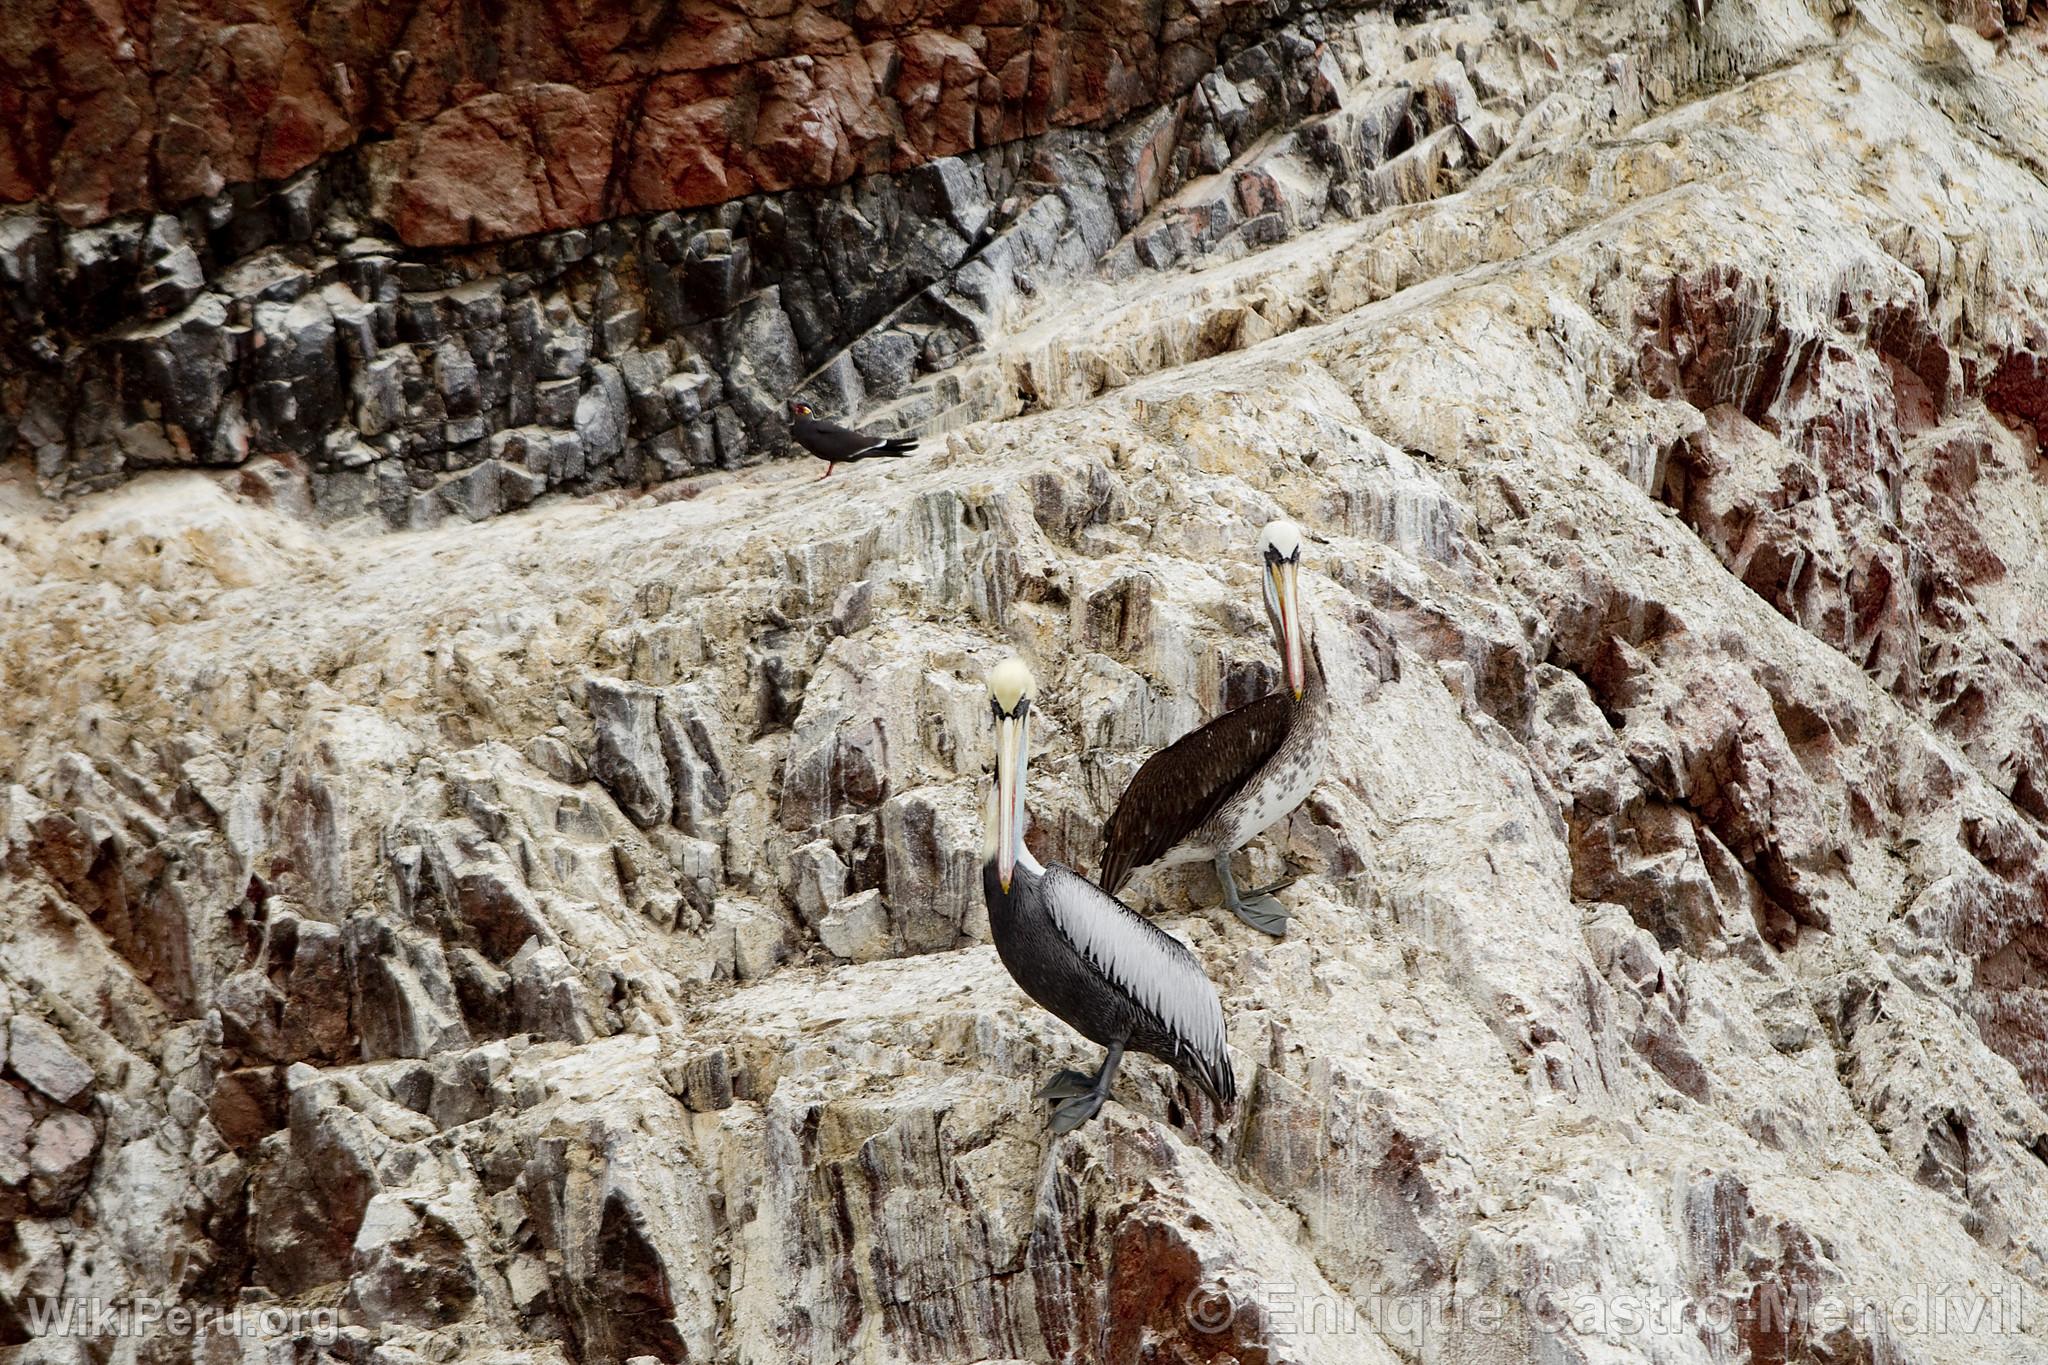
x=527, y=117
x=299, y=322
x=559, y=937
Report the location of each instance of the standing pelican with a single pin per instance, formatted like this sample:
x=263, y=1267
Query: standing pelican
x=1111, y=974
x=1212, y=792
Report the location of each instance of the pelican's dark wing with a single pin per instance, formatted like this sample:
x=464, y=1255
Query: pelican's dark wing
x=1183, y=784
x=1152, y=968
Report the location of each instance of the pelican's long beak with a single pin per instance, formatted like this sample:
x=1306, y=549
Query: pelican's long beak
x=1012, y=742
x=1287, y=591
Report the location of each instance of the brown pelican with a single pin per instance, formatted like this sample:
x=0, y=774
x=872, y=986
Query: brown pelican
x=1212, y=792
x=1111, y=974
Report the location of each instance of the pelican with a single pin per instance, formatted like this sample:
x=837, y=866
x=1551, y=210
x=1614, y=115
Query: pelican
x=1212, y=792
x=1112, y=975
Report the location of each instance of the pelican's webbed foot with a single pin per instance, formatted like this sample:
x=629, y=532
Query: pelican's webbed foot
x=1080, y=1097
x=1065, y=1085
x=1260, y=910
x=1068, y=1115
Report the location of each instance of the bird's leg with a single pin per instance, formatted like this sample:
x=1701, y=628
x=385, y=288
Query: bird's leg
x=1070, y=1114
x=1259, y=910
x=829, y=467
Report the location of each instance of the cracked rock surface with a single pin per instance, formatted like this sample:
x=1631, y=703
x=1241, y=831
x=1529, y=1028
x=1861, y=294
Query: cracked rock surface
x=558, y=937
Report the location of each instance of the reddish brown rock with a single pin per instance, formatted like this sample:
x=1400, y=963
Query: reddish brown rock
x=502, y=165
x=247, y=1105
x=2018, y=391
x=534, y=117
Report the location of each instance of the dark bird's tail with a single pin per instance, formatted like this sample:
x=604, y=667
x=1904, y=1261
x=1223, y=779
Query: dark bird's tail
x=899, y=445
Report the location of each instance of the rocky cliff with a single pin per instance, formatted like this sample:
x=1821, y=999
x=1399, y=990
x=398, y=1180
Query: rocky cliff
x=556, y=935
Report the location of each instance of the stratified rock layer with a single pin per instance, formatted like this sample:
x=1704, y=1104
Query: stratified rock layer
x=292, y=322
x=527, y=117
x=559, y=938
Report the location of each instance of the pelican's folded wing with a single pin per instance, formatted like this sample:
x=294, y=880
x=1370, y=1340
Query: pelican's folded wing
x=1183, y=784
x=1153, y=969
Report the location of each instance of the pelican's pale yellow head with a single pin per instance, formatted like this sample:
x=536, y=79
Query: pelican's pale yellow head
x=1010, y=690
x=1010, y=683
x=1280, y=566
x=1281, y=538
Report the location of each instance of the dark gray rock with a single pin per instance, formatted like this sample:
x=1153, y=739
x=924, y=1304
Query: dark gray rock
x=555, y=402
x=343, y=495
x=393, y=494
x=271, y=277
x=731, y=435
x=955, y=189
x=28, y=263
x=887, y=361
x=693, y=744
x=690, y=396
x=644, y=373
x=177, y=373
x=518, y=486
x=717, y=273
x=456, y=378
x=566, y=350
x=837, y=387
x=628, y=758
x=296, y=396
x=554, y=457
x=172, y=276
x=419, y=318
x=601, y=415
x=762, y=361
x=356, y=325
x=380, y=392
x=463, y=430
x=477, y=305
x=1264, y=230
x=99, y=267
x=476, y=493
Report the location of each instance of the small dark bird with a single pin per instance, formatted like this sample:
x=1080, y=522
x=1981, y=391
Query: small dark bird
x=1115, y=977
x=1210, y=793
x=836, y=445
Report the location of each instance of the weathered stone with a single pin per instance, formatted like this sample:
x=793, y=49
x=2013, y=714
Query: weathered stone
x=628, y=757
x=856, y=929
x=887, y=361
x=455, y=376
x=16, y=1119
x=601, y=416
x=703, y=1083
x=717, y=272
x=555, y=402
x=37, y=1053
x=381, y=392
x=550, y=999
x=174, y=276
x=60, y=1159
